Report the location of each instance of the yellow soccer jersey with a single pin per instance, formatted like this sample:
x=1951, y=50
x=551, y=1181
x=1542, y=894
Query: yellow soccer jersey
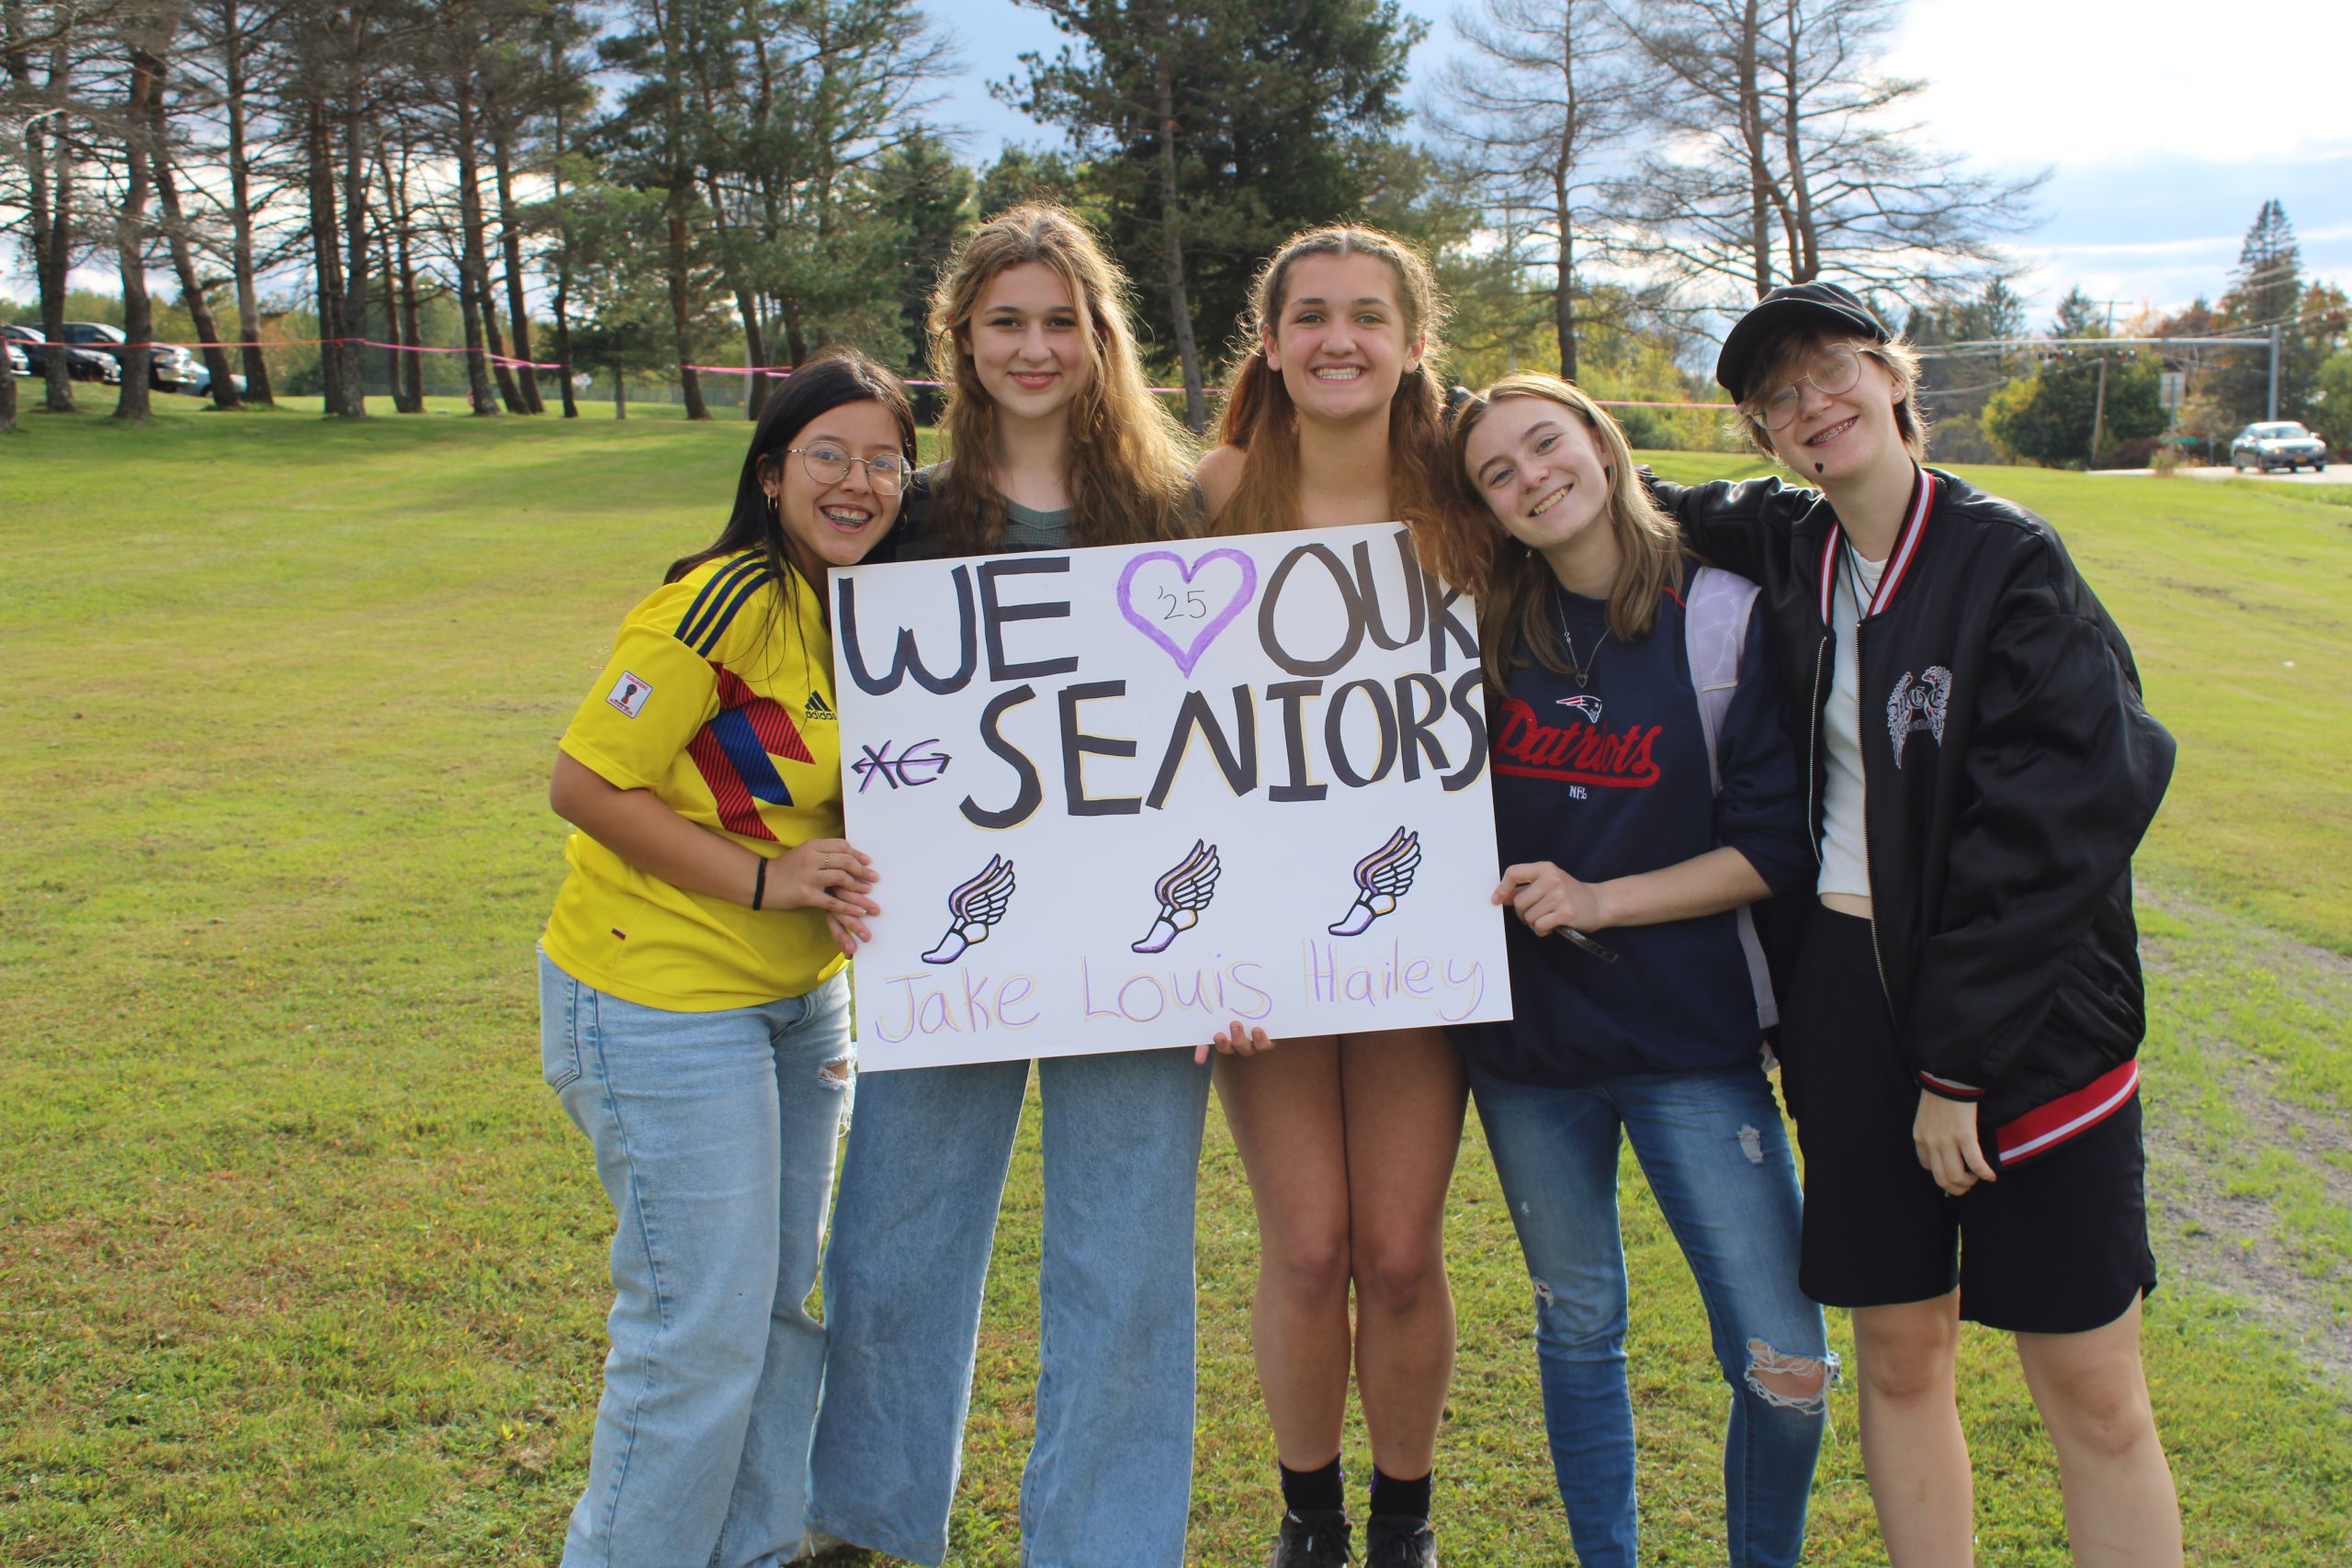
x=719, y=698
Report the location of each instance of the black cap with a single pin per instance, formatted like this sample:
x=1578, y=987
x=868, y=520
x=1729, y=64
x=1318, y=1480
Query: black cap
x=1792, y=304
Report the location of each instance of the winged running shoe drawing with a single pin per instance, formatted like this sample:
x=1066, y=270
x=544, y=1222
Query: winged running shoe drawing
x=1382, y=878
x=973, y=910
x=1183, y=890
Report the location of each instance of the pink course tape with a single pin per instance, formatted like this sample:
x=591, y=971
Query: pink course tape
x=778, y=371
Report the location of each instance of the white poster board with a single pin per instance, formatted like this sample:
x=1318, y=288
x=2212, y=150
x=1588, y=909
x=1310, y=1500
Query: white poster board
x=1118, y=798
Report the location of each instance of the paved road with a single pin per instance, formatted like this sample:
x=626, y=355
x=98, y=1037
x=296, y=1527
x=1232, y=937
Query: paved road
x=2337, y=474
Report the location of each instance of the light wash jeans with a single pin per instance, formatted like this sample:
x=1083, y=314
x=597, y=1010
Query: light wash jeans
x=1110, y=1477
x=714, y=1134
x=1717, y=1159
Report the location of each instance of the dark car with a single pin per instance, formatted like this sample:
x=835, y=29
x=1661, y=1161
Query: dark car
x=2278, y=443
x=174, y=368
x=81, y=364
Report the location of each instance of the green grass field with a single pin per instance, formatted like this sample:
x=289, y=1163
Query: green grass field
x=300, y=1264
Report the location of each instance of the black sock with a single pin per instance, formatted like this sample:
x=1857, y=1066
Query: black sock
x=1314, y=1491
x=1400, y=1499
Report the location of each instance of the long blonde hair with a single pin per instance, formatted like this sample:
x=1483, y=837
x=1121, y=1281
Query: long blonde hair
x=1130, y=477
x=1467, y=547
x=1261, y=420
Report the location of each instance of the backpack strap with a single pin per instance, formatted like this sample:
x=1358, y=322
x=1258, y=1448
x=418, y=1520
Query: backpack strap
x=1716, y=612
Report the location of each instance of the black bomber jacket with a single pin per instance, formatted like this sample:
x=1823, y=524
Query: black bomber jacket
x=2009, y=771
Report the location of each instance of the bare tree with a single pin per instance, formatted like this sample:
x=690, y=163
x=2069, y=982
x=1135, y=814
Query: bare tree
x=1778, y=155
x=1548, y=87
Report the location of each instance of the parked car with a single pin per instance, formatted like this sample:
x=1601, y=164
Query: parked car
x=2278, y=443
x=17, y=364
x=174, y=366
x=199, y=382
x=81, y=364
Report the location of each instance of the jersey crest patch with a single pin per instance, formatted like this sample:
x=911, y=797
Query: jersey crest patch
x=628, y=693
x=1915, y=705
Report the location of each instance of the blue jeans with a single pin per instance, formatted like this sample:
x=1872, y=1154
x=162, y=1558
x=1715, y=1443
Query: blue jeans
x=1110, y=1477
x=714, y=1134
x=1712, y=1144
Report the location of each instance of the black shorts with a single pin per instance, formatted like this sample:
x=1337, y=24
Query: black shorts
x=2057, y=1244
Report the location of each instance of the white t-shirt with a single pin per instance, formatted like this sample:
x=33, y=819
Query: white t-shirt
x=1845, y=857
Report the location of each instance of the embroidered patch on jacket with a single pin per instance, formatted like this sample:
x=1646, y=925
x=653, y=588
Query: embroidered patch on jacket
x=1918, y=705
x=628, y=693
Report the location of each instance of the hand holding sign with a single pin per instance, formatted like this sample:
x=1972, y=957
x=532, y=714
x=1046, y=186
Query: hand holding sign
x=1298, y=723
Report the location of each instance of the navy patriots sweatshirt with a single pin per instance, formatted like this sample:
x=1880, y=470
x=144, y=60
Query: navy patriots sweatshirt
x=1608, y=780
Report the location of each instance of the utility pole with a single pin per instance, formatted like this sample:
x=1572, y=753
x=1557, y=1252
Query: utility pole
x=2274, y=372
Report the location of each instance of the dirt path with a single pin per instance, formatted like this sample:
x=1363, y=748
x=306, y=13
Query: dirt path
x=2209, y=1228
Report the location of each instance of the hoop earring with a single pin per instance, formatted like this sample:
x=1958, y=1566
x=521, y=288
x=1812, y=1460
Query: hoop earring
x=775, y=504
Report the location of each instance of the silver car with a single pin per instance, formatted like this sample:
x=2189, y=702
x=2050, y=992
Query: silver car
x=2278, y=443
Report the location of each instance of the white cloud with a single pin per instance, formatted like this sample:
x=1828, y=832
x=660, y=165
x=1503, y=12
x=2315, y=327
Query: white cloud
x=2071, y=82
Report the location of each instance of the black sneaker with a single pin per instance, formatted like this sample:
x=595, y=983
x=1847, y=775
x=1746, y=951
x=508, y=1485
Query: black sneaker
x=1397, y=1541
x=1314, y=1537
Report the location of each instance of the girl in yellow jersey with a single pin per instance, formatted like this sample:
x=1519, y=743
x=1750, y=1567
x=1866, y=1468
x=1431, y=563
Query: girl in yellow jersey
x=694, y=1010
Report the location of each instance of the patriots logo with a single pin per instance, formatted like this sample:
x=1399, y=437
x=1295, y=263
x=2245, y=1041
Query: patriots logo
x=1585, y=703
x=1918, y=705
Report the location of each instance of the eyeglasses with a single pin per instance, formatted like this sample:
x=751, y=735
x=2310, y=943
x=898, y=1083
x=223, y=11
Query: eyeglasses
x=1834, y=370
x=828, y=465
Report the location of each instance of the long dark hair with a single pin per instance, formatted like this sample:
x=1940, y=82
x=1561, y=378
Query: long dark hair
x=835, y=375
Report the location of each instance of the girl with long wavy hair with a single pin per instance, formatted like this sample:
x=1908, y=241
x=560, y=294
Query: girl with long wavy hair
x=1646, y=793
x=1056, y=442
x=1334, y=418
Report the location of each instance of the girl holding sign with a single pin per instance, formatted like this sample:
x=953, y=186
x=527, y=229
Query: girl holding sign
x=1350, y=1142
x=1965, y=1007
x=1056, y=442
x=1644, y=792
x=693, y=1011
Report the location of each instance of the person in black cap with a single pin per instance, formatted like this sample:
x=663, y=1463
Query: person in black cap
x=1962, y=1004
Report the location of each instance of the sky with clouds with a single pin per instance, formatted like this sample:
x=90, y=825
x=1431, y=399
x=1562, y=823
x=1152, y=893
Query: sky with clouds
x=2165, y=124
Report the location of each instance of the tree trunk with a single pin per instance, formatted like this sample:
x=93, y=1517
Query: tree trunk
x=1564, y=287
x=1805, y=240
x=1751, y=132
x=681, y=315
x=130, y=241
x=473, y=271
x=54, y=243
x=199, y=309
x=354, y=226
x=563, y=266
x=1180, y=306
x=510, y=233
x=326, y=261
x=19, y=68
x=240, y=210
x=620, y=391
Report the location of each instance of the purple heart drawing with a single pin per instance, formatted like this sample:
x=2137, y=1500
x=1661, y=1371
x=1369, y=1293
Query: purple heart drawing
x=1188, y=611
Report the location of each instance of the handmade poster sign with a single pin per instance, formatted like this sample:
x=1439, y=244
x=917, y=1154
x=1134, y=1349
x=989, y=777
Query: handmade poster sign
x=1121, y=797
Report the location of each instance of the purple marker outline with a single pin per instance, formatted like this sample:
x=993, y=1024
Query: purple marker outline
x=1187, y=657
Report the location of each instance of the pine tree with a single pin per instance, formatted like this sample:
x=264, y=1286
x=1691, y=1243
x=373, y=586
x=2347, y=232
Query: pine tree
x=2267, y=291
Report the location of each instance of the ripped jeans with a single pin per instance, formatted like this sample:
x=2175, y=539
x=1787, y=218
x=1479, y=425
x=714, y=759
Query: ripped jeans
x=1717, y=1159
x=714, y=1134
